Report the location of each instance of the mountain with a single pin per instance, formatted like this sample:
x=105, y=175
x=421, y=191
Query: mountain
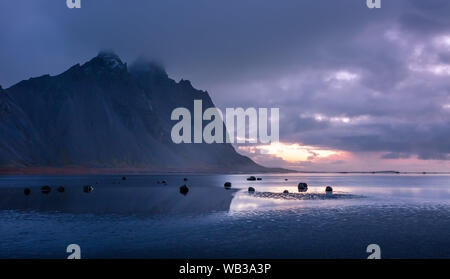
x=106, y=115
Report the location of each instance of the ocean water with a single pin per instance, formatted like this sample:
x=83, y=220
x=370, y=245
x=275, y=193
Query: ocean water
x=408, y=216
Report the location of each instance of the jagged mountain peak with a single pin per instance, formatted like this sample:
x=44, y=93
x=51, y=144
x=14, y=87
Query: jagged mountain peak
x=110, y=57
x=102, y=115
x=186, y=83
x=104, y=61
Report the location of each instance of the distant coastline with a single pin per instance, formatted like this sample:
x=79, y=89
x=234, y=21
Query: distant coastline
x=377, y=172
x=137, y=171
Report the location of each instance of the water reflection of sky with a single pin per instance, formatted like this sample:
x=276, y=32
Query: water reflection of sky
x=373, y=189
x=406, y=215
x=142, y=193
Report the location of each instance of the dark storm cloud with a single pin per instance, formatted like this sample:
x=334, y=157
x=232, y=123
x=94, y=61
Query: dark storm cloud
x=205, y=39
x=344, y=76
x=426, y=17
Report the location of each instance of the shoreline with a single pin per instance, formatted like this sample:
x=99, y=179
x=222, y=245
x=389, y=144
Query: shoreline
x=150, y=171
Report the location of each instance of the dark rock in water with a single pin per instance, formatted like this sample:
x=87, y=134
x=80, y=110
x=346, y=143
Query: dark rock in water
x=298, y=196
x=251, y=178
x=227, y=185
x=124, y=178
x=61, y=189
x=46, y=189
x=302, y=186
x=185, y=179
x=164, y=182
x=88, y=188
x=184, y=190
x=286, y=179
x=328, y=189
x=259, y=178
x=285, y=192
x=27, y=191
x=251, y=189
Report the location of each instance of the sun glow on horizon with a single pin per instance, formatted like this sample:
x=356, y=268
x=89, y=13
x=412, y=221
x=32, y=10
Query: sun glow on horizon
x=293, y=153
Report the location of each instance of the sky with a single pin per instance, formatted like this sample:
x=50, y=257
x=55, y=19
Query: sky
x=358, y=89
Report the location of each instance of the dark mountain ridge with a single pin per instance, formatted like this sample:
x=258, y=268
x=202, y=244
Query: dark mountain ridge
x=104, y=114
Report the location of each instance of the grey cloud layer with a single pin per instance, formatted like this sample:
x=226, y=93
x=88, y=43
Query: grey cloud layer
x=345, y=77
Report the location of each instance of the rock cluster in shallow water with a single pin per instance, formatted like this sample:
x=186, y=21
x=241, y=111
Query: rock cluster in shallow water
x=303, y=196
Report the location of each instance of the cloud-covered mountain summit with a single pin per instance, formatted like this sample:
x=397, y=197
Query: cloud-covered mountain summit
x=104, y=114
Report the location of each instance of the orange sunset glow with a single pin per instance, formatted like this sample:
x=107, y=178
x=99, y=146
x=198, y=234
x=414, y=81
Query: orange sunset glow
x=294, y=152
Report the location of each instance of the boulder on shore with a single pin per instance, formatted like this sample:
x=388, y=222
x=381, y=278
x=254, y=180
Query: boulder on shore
x=46, y=189
x=88, y=188
x=184, y=190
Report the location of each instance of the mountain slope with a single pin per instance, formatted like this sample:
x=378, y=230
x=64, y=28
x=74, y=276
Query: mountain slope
x=103, y=115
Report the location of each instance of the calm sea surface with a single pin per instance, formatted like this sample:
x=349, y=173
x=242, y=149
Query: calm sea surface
x=408, y=216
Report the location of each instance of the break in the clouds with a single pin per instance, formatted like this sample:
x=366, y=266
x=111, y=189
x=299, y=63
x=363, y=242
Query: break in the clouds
x=357, y=88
